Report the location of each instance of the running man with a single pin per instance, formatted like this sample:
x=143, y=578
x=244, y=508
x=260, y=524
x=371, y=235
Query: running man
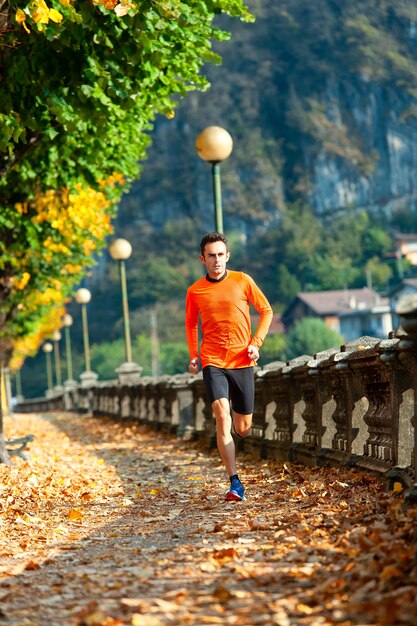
x=228, y=352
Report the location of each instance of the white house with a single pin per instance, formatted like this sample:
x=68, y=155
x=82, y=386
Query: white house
x=352, y=313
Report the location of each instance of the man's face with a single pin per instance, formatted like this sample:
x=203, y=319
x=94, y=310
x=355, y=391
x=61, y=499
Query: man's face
x=215, y=259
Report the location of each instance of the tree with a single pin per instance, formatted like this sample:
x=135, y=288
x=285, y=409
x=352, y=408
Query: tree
x=309, y=336
x=80, y=86
x=273, y=349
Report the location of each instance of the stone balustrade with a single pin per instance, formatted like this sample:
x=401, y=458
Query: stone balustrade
x=354, y=405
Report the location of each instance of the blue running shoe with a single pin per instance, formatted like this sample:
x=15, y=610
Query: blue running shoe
x=237, y=491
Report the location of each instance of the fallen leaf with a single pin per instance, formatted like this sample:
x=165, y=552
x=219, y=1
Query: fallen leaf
x=75, y=515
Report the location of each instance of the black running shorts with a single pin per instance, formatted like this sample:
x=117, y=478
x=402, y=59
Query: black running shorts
x=237, y=385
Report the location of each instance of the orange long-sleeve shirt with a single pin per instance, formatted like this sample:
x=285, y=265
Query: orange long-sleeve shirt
x=223, y=307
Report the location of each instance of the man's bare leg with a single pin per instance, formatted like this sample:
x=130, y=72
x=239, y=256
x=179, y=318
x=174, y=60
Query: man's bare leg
x=242, y=423
x=225, y=443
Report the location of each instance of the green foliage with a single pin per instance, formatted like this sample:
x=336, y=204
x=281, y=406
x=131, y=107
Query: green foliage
x=174, y=357
x=85, y=92
x=80, y=88
x=155, y=281
x=304, y=253
x=274, y=348
x=106, y=357
x=79, y=101
x=379, y=273
x=310, y=336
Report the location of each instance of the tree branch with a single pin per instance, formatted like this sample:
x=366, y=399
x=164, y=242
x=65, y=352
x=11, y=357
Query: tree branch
x=32, y=143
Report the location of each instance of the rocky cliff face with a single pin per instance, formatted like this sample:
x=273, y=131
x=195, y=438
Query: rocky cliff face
x=319, y=101
x=381, y=176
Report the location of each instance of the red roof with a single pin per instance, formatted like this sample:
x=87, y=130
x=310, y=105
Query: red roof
x=276, y=325
x=341, y=300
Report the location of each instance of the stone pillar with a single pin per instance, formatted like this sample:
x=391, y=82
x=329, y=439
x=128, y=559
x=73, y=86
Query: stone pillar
x=344, y=431
x=384, y=382
x=183, y=413
x=407, y=347
x=256, y=442
x=129, y=372
x=204, y=421
x=316, y=395
x=283, y=395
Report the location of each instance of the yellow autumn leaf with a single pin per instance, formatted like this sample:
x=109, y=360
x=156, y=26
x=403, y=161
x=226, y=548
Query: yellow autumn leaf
x=304, y=608
x=55, y=16
x=398, y=487
x=20, y=18
x=40, y=13
x=75, y=515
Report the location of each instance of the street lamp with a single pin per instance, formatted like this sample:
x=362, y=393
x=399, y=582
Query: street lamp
x=47, y=348
x=214, y=144
x=67, y=322
x=56, y=337
x=18, y=382
x=83, y=297
x=120, y=250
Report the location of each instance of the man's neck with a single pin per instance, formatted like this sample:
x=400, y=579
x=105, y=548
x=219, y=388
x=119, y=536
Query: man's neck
x=216, y=280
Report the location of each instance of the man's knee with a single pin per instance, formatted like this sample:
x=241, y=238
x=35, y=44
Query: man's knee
x=221, y=409
x=242, y=424
x=242, y=432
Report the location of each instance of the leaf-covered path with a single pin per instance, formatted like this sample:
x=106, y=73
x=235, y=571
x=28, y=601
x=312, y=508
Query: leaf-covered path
x=110, y=524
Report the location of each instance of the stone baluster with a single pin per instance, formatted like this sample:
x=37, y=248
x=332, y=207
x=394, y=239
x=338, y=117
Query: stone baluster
x=141, y=399
x=124, y=394
x=145, y=399
x=107, y=406
x=183, y=406
x=256, y=443
x=284, y=397
x=383, y=381
x=171, y=407
x=344, y=431
x=203, y=414
x=134, y=401
x=315, y=395
x=151, y=399
x=161, y=391
x=407, y=347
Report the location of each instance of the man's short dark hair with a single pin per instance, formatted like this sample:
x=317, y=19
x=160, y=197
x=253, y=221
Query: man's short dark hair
x=212, y=238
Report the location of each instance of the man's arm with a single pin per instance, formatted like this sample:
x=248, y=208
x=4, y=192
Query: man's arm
x=261, y=304
x=191, y=330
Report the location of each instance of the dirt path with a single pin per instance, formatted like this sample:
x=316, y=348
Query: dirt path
x=110, y=524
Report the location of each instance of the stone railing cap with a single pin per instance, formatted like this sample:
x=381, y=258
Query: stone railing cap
x=297, y=364
x=360, y=343
x=407, y=305
x=273, y=368
x=322, y=357
x=388, y=344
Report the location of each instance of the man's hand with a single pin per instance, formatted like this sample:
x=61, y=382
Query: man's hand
x=193, y=366
x=253, y=352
